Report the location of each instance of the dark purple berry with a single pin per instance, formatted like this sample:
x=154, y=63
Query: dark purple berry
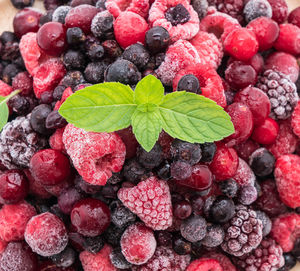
x=208, y=151
x=266, y=221
x=194, y=228
x=94, y=72
x=75, y=36
x=64, y=259
x=38, y=118
x=221, y=209
x=177, y=15
x=181, y=246
x=74, y=60
x=20, y=4
x=189, y=83
x=120, y=215
x=152, y=158
x=229, y=188
x=247, y=194
x=93, y=244
x=289, y=262
x=262, y=162
x=214, y=236
x=118, y=260
x=94, y=51
x=60, y=14
x=102, y=24
x=58, y=92
x=164, y=238
x=72, y=79
x=257, y=8
x=67, y=199
x=133, y=171
x=157, y=39
x=164, y=171
x=182, y=209
x=55, y=121
x=137, y=54
x=181, y=170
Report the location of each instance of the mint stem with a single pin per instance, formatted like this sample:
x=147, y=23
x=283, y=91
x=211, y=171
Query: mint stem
x=14, y=93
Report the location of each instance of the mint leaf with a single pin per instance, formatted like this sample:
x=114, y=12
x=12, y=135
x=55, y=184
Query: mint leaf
x=146, y=127
x=194, y=118
x=147, y=107
x=105, y=107
x=4, y=112
x=149, y=90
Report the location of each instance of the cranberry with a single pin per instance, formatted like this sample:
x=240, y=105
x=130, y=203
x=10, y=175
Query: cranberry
x=90, y=217
x=182, y=209
x=13, y=186
x=245, y=149
x=50, y=167
x=26, y=20
x=267, y=132
x=51, y=38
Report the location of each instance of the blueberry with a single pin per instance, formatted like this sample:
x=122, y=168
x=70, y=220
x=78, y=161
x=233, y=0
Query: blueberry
x=123, y=71
x=38, y=118
x=214, y=237
x=221, y=210
x=102, y=24
x=266, y=221
x=22, y=105
x=7, y=36
x=113, y=235
x=118, y=260
x=64, y=259
x=74, y=60
x=229, y=188
x=94, y=51
x=181, y=170
x=20, y=4
x=137, y=54
x=257, y=8
x=152, y=158
x=46, y=18
x=185, y=151
x=177, y=15
x=58, y=92
x=120, y=215
x=247, y=194
x=157, y=39
x=55, y=121
x=262, y=162
x=208, y=151
x=181, y=246
x=164, y=171
x=112, y=49
x=94, y=72
x=9, y=72
x=194, y=228
x=100, y=4
x=75, y=36
x=72, y=79
x=189, y=83
x=60, y=14
x=93, y=244
x=289, y=262
x=200, y=6
x=133, y=171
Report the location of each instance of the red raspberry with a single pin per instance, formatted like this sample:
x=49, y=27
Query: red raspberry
x=105, y=155
x=266, y=133
x=244, y=175
x=98, y=261
x=178, y=56
x=137, y=6
x=219, y=24
x=209, y=48
x=210, y=82
x=67, y=93
x=46, y=234
x=185, y=31
x=47, y=76
x=257, y=101
x=286, y=141
x=130, y=28
x=284, y=63
x=289, y=39
x=150, y=200
x=286, y=230
x=225, y=163
x=5, y=89
x=165, y=258
x=287, y=175
x=222, y=259
x=266, y=31
x=246, y=148
x=296, y=120
x=30, y=52
x=205, y=264
x=279, y=10
x=23, y=81
x=241, y=43
x=56, y=140
x=3, y=245
x=242, y=120
x=13, y=220
x=138, y=244
x=294, y=17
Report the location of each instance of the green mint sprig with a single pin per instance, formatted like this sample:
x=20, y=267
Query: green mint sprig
x=109, y=107
x=4, y=111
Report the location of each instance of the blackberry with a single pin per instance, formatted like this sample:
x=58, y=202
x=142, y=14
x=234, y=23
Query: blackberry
x=185, y=151
x=214, y=236
x=120, y=215
x=93, y=244
x=152, y=158
x=289, y=262
x=177, y=15
x=72, y=79
x=60, y=14
x=257, y=8
x=193, y=228
x=181, y=170
x=266, y=221
x=157, y=39
x=137, y=54
x=38, y=118
x=208, y=151
x=181, y=246
x=55, y=121
x=102, y=24
x=247, y=194
x=133, y=171
x=200, y=6
x=190, y=83
x=262, y=162
x=243, y=232
x=267, y=256
x=219, y=209
x=122, y=71
x=64, y=259
x=281, y=91
x=229, y=188
x=118, y=260
x=75, y=36
x=74, y=60
x=94, y=72
x=19, y=142
x=20, y=4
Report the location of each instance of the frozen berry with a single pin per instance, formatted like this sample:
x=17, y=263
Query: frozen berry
x=94, y=72
x=200, y=6
x=184, y=151
x=204, y=264
x=152, y=158
x=23, y=82
x=38, y=118
x=262, y=162
x=60, y=14
x=134, y=171
x=157, y=39
x=288, y=40
x=94, y=244
x=118, y=260
x=229, y=188
x=214, y=236
x=289, y=262
x=180, y=170
x=294, y=17
x=120, y=215
x=46, y=234
x=244, y=174
x=67, y=199
x=279, y=10
x=74, y=60
x=189, y=83
x=137, y=54
x=193, y=229
x=75, y=36
x=247, y=194
x=266, y=221
x=257, y=8
x=182, y=209
x=55, y=121
x=65, y=259
x=140, y=7
x=295, y=123
x=102, y=24
x=138, y=244
x=221, y=210
x=208, y=151
x=266, y=133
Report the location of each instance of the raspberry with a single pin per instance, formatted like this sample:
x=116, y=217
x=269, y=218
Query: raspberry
x=296, y=120
x=47, y=76
x=241, y=43
x=178, y=56
x=294, y=17
x=243, y=232
x=257, y=8
x=150, y=200
x=225, y=163
x=23, y=81
x=138, y=244
x=210, y=82
x=286, y=230
x=219, y=24
x=245, y=149
x=106, y=153
x=284, y=63
x=56, y=140
x=30, y=52
x=98, y=261
x=209, y=48
x=130, y=28
x=117, y=7
x=267, y=256
x=5, y=89
x=46, y=234
x=286, y=141
x=222, y=259
x=164, y=258
x=269, y=200
x=281, y=91
x=289, y=39
x=205, y=264
x=279, y=10
x=287, y=174
x=13, y=220
x=244, y=175
x=266, y=31
x=166, y=12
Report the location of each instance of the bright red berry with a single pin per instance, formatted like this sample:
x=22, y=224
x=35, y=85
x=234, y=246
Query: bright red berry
x=5, y=89
x=90, y=217
x=136, y=6
x=279, y=10
x=138, y=244
x=266, y=133
x=289, y=39
x=23, y=81
x=294, y=17
x=56, y=140
x=296, y=120
x=205, y=264
x=224, y=261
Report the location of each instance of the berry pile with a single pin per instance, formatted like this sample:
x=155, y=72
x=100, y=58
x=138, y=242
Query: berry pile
x=74, y=200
